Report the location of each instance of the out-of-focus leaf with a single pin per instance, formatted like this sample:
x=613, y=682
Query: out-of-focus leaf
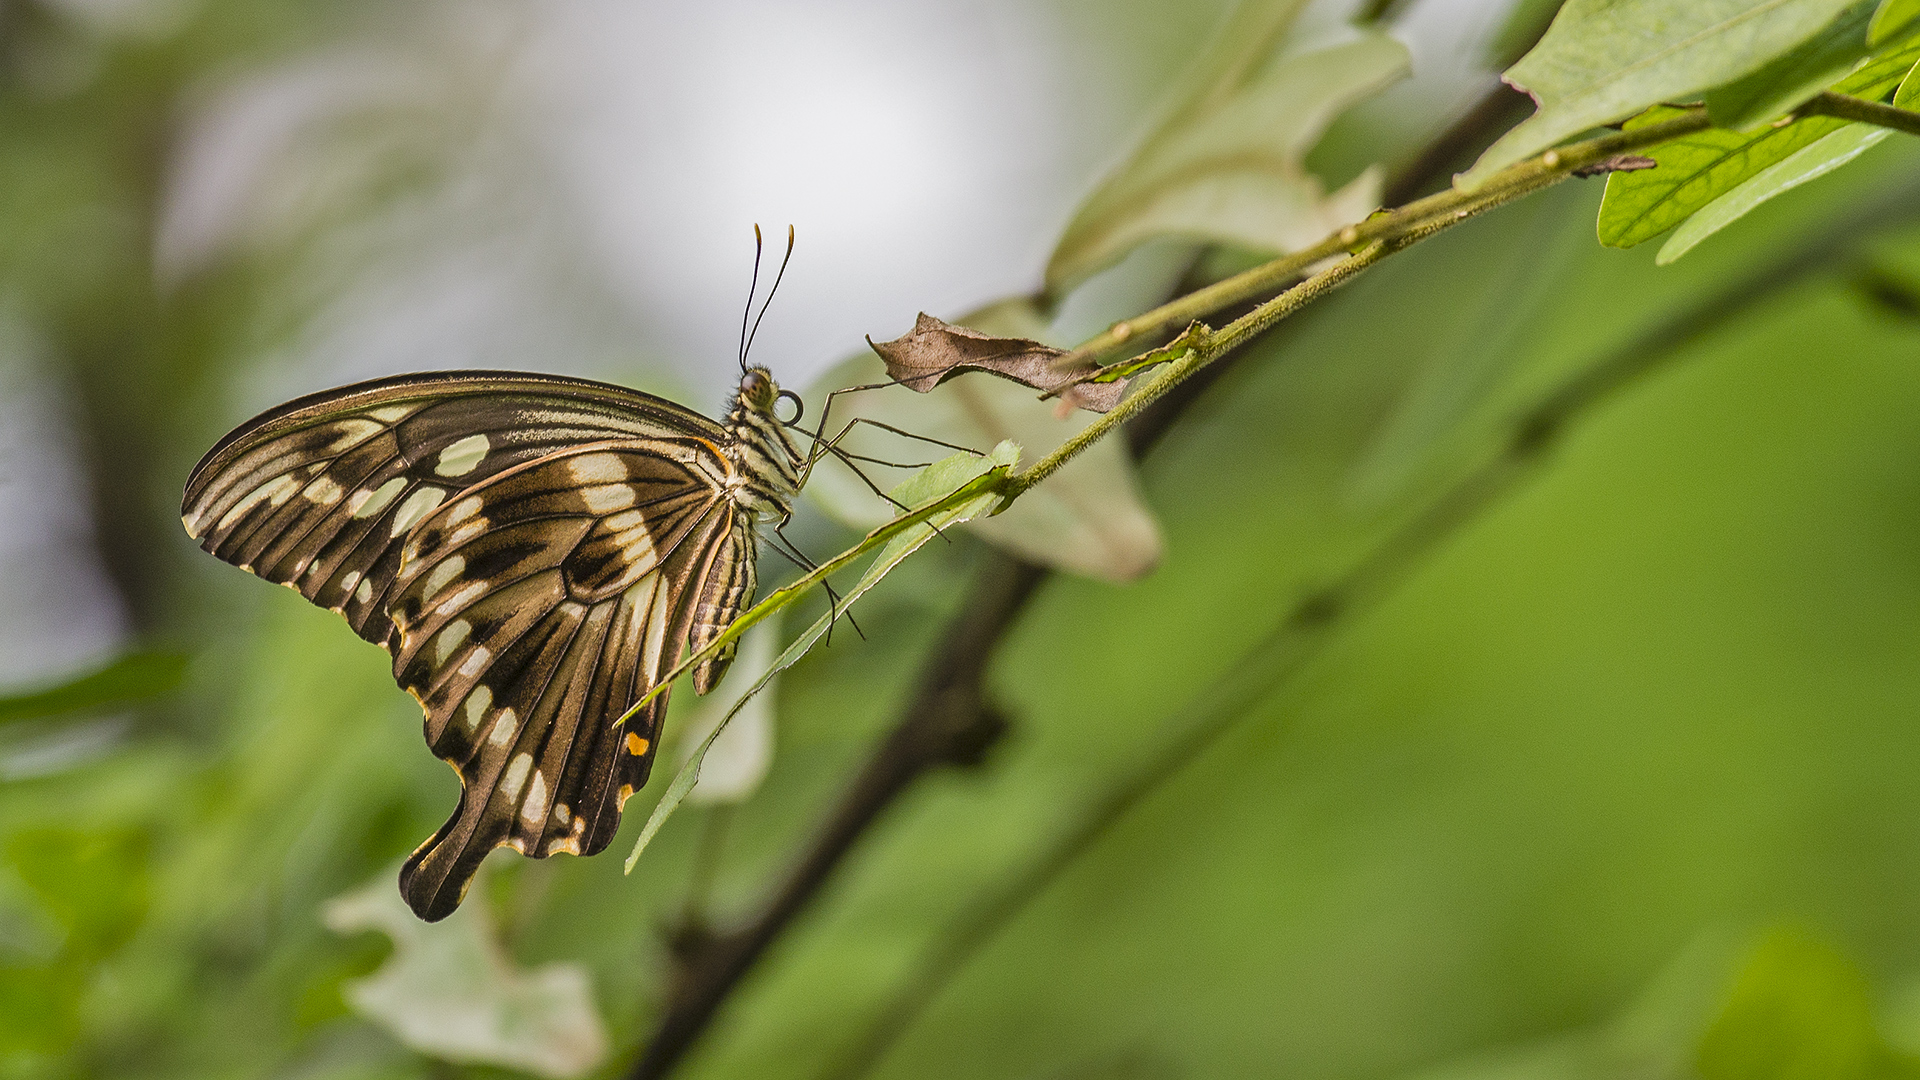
x=1087, y=519
x=133, y=677
x=1699, y=168
x=450, y=991
x=1605, y=60
x=1797, y=1009
x=935, y=351
x=1890, y=19
x=936, y=481
x=1778, y=88
x=85, y=894
x=93, y=883
x=1521, y=31
x=1231, y=170
x=1807, y=163
x=741, y=754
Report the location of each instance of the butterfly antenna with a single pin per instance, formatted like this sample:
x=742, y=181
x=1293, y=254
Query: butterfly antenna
x=769, y=303
x=751, y=289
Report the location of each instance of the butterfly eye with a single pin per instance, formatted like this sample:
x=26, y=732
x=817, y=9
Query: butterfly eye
x=799, y=408
x=753, y=385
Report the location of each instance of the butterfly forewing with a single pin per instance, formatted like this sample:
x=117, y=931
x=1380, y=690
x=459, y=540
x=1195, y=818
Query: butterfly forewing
x=531, y=613
x=318, y=493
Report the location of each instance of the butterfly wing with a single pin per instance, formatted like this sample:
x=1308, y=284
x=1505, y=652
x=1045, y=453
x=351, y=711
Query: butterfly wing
x=319, y=493
x=531, y=612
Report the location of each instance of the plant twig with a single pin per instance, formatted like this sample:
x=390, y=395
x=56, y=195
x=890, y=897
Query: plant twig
x=948, y=718
x=1417, y=219
x=1846, y=107
x=1296, y=639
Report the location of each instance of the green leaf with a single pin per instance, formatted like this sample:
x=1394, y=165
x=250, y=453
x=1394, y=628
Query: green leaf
x=1892, y=17
x=937, y=481
x=1808, y=163
x=1798, y=1009
x=1231, y=169
x=1697, y=169
x=133, y=677
x=1605, y=60
x=451, y=991
x=1784, y=84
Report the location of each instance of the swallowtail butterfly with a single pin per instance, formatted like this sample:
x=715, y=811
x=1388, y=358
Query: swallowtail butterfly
x=533, y=551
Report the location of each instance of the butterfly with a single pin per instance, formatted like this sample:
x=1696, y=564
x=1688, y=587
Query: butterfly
x=533, y=551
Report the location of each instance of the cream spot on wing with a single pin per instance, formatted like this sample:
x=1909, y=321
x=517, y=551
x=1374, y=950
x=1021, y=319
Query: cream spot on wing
x=596, y=469
x=625, y=519
x=364, y=593
x=351, y=432
x=464, y=509
x=602, y=498
x=323, y=491
x=461, y=597
x=637, y=546
x=274, y=492
x=467, y=532
x=192, y=522
x=505, y=727
x=562, y=813
x=462, y=457
x=416, y=507
x=450, y=639
x=656, y=633
x=388, y=414
x=443, y=575
x=476, y=661
x=365, y=504
x=516, y=775
x=536, y=805
x=478, y=703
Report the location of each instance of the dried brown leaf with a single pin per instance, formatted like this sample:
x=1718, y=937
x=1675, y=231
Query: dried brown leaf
x=935, y=351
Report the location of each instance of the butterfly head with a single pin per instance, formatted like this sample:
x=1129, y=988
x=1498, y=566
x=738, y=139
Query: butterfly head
x=768, y=459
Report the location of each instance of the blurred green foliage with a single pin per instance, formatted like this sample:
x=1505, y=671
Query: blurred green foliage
x=1618, y=781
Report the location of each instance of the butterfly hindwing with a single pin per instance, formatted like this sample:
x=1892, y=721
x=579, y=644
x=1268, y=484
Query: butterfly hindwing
x=531, y=612
x=319, y=493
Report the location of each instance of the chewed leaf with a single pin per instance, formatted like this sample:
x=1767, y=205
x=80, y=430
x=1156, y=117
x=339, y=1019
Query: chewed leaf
x=935, y=351
x=1189, y=339
x=1605, y=60
x=451, y=992
x=937, y=481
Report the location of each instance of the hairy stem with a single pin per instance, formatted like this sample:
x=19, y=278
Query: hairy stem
x=1845, y=107
x=1416, y=220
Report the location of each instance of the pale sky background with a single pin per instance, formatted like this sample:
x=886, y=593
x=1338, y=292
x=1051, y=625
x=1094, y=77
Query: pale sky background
x=604, y=162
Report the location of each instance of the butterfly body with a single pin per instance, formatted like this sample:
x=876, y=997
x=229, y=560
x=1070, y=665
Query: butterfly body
x=534, y=552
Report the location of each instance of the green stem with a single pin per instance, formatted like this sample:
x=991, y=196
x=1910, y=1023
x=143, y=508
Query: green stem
x=1210, y=348
x=1844, y=107
x=1415, y=220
